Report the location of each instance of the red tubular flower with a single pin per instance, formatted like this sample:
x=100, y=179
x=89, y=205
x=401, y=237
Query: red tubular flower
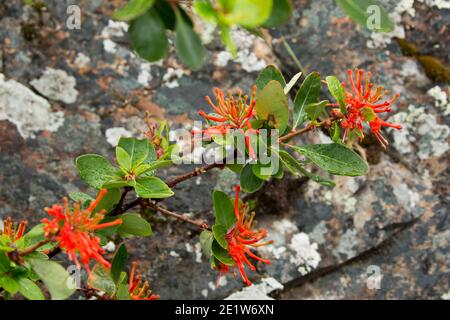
x=139, y=290
x=231, y=114
x=360, y=96
x=74, y=230
x=14, y=232
x=240, y=238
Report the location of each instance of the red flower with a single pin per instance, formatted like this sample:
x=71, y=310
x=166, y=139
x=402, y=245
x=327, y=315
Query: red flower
x=232, y=114
x=74, y=230
x=14, y=232
x=139, y=290
x=363, y=105
x=240, y=238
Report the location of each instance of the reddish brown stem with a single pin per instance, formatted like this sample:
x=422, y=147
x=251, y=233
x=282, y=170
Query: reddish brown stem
x=310, y=127
x=33, y=247
x=183, y=217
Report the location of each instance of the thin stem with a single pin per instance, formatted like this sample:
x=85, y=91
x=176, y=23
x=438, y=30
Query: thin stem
x=293, y=56
x=306, y=129
x=119, y=209
x=200, y=223
x=33, y=247
x=196, y=172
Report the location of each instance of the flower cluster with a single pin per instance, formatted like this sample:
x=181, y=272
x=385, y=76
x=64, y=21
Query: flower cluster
x=14, y=232
x=231, y=114
x=139, y=290
x=74, y=231
x=363, y=105
x=241, y=238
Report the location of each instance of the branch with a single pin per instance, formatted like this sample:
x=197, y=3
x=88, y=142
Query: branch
x=120, y=208
x=310, y=127
x=33, y=247
x=183, y=217
x=194, y=173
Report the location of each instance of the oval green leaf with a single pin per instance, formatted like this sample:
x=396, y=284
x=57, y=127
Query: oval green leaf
x=133, y=9
x=307, y=94
x=334, y=158
x=206, y=240
x=337, y=91
x=249, y=181
x=221, y=254
x=57, y=280
x=188, y=44
x=368, y=13
x=267, y=74
x=119, y=262
x=223, y=209
x=281, y=12
x=95, y=170
x=134, y=224
x=272, y=105
x=219, y=232
x=30, y=290
x=148, y=37
x=152, y=187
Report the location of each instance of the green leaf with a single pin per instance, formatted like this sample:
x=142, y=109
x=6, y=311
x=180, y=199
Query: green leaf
x=248, y=180
x=133, y=9
x=368, y=114
x=118, y=263
x=281, y=11
x=57, y=280
x=206, y=240
x=337, y=91
x=123, y=292
x=100, y=279
x=138, y=149
x=10, y=284
x=118, y=183
x=167, y=14
x=225, y=35
x=148, y=37
x=134, y=224
x=316, y=178
x=334, y=158
x=223, y=209
x=95, y=170
x=109, y=200
x=268, y=169
x=292, y=82
x=272, y=105
x=146, y=167
x=307, y=94
x=4, y=262
x=188, y=44
x=123, y=159
x=30, y=290
x=336, y=132
x=219, y=232
x=152, y=187
x=314, y=110
x=206, y=11
x=290, y=163
x=221, y=254
x=250, y=13
x=81, y=197
x=267, y=74
x=368, y=13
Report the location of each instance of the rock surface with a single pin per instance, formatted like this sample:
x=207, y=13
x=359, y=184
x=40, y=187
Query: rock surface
x=383, y=236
